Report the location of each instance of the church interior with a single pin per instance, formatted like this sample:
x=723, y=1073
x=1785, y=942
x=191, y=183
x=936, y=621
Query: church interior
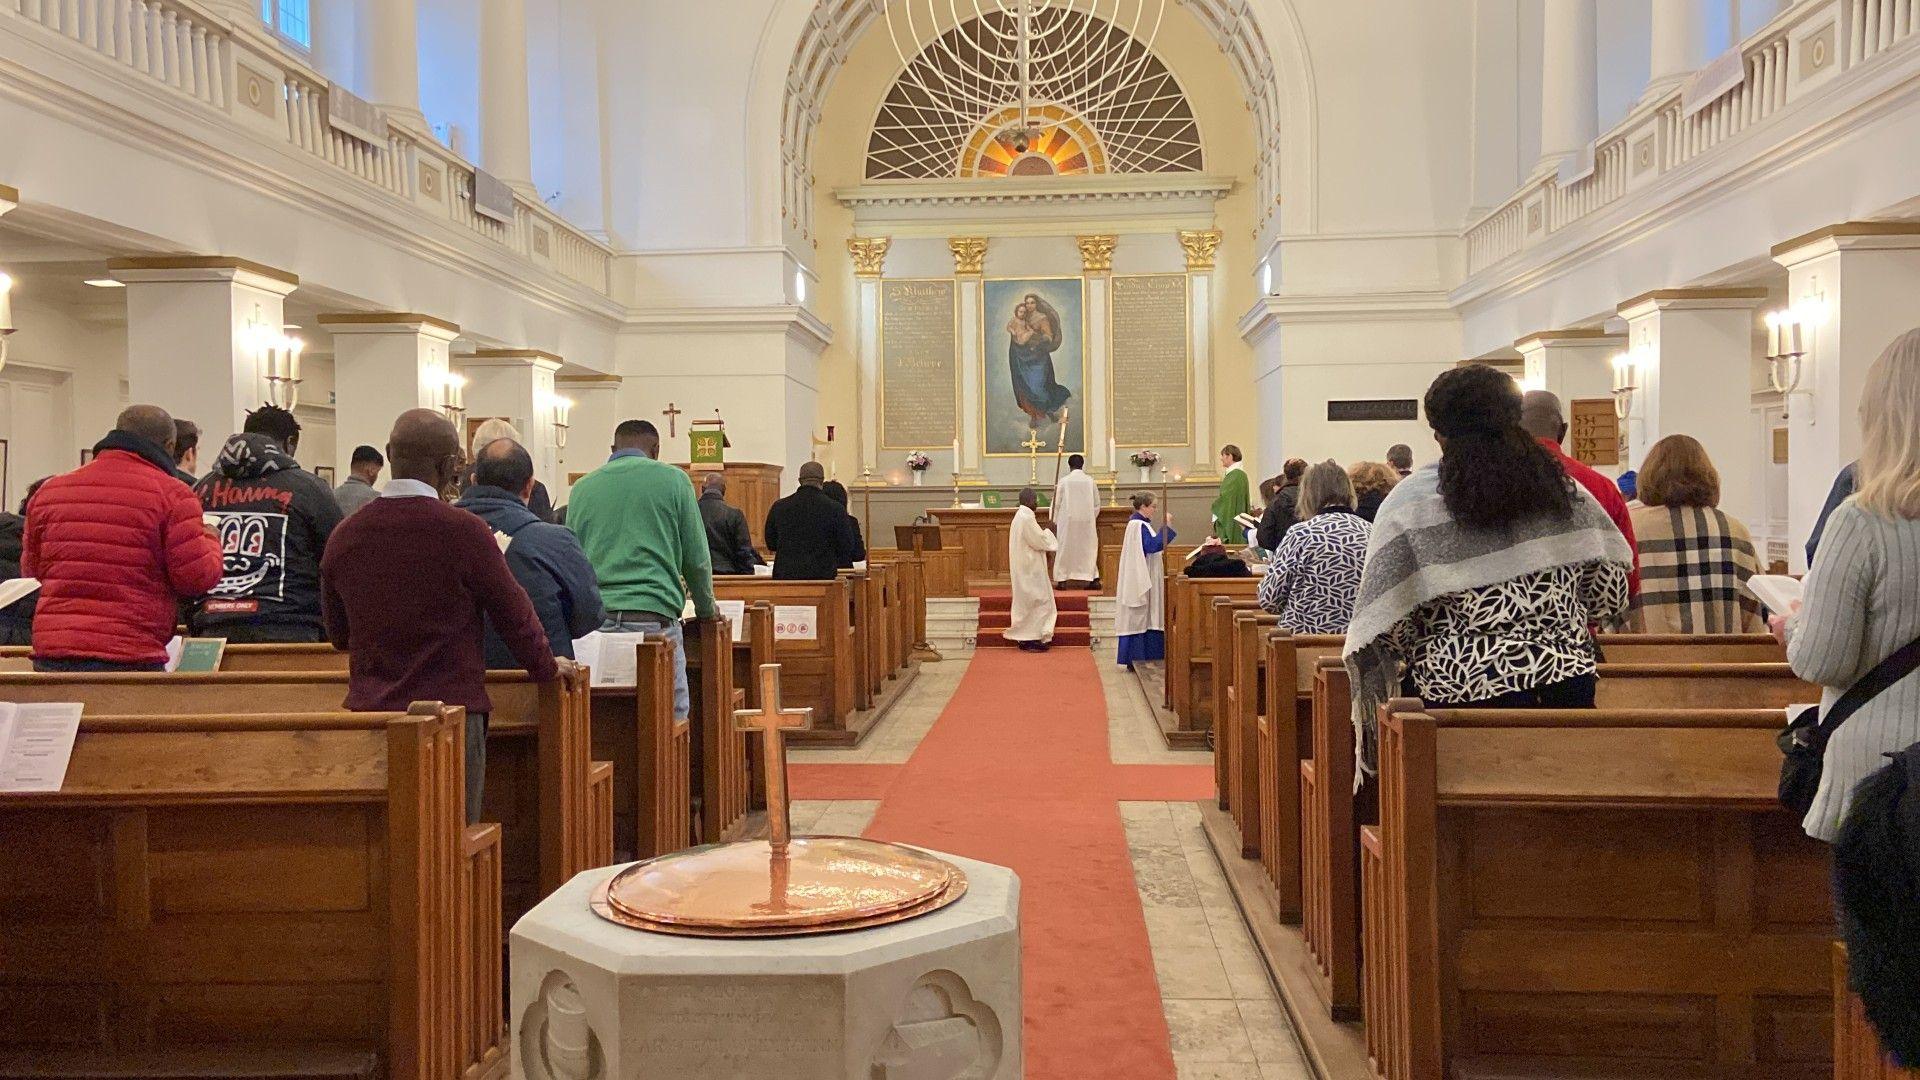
x=1191, y=377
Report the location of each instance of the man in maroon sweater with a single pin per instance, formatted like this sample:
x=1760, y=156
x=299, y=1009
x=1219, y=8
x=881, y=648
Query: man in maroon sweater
x=407, y=585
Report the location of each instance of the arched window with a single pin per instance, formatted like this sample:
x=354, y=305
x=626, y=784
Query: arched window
x=1098, y=101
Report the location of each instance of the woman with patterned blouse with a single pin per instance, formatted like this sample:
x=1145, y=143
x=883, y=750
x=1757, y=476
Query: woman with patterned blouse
x=1314, y=576
x=1485, y=570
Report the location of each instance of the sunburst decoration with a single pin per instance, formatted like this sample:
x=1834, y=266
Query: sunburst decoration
x=1030, y=87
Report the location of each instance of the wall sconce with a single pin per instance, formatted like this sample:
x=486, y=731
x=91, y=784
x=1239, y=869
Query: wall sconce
x=453, y=398
x=280, y=365
x=1787, y=343
x=562, y=413
x=1624, y=384
x=6, y=316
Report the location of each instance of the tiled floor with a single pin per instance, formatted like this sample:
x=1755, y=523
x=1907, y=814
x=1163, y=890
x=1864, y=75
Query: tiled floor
x=893, y=741
x=1225, y=1022
x=1133, y=732
x=843, y=817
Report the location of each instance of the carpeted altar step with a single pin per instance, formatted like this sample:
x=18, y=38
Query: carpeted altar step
x=1064, y=638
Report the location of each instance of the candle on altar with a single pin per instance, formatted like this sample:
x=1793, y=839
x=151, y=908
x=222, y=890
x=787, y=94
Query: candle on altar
x=956, y=453
x=1113, y=452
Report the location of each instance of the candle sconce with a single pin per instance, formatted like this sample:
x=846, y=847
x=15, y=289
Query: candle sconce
x=562, y=413
x=1787, y=344
x=279, y=356
x=453, y=399
x=1625, y=382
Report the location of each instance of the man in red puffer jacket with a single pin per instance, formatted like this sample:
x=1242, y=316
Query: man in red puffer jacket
x=117, y=545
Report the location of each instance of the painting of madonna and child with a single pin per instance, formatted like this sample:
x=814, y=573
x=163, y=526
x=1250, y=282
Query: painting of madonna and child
x=1035, y=364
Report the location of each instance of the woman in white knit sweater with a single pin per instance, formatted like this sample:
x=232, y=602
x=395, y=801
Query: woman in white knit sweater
x=1863, y=593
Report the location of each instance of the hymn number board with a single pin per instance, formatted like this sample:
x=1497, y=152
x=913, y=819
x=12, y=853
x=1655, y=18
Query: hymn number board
x=919, y=364
x=1595, y=432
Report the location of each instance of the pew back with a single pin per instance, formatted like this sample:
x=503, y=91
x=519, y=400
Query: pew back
x=719, y=749
x=817, y=672
x=1190, y=651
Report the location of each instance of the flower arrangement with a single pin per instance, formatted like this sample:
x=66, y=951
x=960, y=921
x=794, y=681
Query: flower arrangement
x=918, y=461
x=1145, y=459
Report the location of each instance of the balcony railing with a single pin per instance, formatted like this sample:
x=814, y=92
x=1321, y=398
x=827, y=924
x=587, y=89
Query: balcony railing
x=1800, y=52
x=258, y=84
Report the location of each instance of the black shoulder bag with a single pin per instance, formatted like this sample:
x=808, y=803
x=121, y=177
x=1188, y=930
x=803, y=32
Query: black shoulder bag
x=1804, y=740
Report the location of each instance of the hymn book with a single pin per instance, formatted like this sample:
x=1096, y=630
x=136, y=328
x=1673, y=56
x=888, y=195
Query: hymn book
x=1777, y=591
x=36, y=742
x=16, y=589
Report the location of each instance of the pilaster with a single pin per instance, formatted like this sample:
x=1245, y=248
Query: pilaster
x=1573, y=364
x=517, y=384
x=969, y=263
x=384, y=363
x=869, y=266
x=1201, y=247
x=596, y=412
x=1096, y=267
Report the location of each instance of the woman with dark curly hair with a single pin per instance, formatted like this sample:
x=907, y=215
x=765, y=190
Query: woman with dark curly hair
x=1485, y=569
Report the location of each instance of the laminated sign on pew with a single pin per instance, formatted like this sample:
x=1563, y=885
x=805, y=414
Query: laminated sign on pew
x=36, y=742
x=796, y=622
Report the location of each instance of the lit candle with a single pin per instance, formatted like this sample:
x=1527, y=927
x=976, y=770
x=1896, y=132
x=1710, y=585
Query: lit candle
x=1773, y=334
x=1796, y=339
x=1113, y=453
x=956, y=454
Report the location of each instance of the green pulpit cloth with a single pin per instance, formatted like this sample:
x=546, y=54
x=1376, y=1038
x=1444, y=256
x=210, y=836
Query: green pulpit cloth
x=1232, y=501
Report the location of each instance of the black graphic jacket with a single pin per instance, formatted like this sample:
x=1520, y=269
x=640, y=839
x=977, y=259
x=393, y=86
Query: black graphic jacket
x=274, y=519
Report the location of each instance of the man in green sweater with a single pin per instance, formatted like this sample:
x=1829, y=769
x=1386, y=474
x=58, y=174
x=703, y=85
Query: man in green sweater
x=1233, y=499
x=640, y=526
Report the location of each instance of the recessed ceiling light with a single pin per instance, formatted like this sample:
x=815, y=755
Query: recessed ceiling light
x=106, y=283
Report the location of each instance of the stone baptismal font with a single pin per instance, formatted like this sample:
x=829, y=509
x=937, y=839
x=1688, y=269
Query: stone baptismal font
x=797, y=957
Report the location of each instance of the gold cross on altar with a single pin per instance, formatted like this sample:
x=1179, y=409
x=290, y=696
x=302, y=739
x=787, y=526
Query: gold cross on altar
x=1033, y=445
x=773, y=722
x=672, y=413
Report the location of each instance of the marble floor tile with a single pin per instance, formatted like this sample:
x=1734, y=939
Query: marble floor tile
x=1178, y=927
x=1203, y=1031
x=1285, y=1070
x=1190, y=972
x=1270, y=1033
x=847, y=817
x=1214, y=1070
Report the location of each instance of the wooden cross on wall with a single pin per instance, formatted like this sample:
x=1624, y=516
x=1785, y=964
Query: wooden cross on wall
x=672, y=413
x=773, y=723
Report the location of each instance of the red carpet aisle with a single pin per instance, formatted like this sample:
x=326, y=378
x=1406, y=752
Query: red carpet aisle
x=1016, y=771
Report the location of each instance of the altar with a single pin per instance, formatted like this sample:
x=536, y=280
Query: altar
x=982, y=535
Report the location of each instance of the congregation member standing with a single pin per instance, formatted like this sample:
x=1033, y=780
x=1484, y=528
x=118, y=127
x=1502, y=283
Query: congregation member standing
x=545, y=559
x=363, y=472
x=838, y=493
x=1233, y=499
x=1694, y=559
x=273, y=518
x=186, y=451
x=409, y=585
x=1034, y=610
x=1484, y=571
x=1400, y=459
x=1542, y=417
x=639, y=524
x=1282, y=509
x=1140, y=586
x=810, y=535
x=490, y=430
x=16, y=619
x=117, y=544
x=1863, y=593
x=1314, y=576
x=729, y=544
x=1840, y=492
x=1372, y=480
x=1076, y=521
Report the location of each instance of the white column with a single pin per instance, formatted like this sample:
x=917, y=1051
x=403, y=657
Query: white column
x=1096, y=425
x=1692, y=351
x=596, y=411
x=969, y=260
x=1878, y=263
x=1200, y=246
x=517, y=384
x=1569, y=90
x=388, y=64
x=384, y=363
x=191, y=332
x=506, y=144
x=335, y=45
x=1496, y=104
x=869, y=255
x=1680, y=41
x=1574, y=364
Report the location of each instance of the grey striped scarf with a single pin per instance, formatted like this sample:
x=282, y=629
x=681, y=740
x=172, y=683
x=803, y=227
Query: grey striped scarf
x=1419, y=553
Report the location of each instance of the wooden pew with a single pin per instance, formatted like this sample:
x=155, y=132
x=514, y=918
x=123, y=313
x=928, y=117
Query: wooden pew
x=1190, y=652
x=1857, y=1054
x=230, y=895
x=540, y=775
x=1317, y=880
x=754, y=649
x=1593, y=893
x=863, y=622
x=816, y=673
x=723, y=788
x=651, y=751
x=915, y=587
x=1281, y=734
x=1237, y=689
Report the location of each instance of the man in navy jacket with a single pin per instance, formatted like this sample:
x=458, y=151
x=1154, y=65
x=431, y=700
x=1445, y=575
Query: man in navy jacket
x=546, y=560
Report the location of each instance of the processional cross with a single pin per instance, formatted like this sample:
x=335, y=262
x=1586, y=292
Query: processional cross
x=1033, y=445
x=773, y=723
x=672, y=413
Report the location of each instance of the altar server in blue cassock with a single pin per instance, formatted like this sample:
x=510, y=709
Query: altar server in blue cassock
x=1140, y=593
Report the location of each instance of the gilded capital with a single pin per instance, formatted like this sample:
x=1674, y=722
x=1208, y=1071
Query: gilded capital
x=969, y=254
x=1200, y=245
x=869, y=254
x=1096, y=253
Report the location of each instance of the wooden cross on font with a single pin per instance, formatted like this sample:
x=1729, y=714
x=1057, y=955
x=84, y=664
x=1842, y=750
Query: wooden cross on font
x=672, y=413
x=773, y=723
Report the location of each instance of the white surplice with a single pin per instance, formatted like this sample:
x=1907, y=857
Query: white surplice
x=1033, y=608
x=1140, y=593
x=1076, y=510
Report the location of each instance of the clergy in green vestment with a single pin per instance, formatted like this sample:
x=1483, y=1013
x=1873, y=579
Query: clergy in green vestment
x=1233, y=499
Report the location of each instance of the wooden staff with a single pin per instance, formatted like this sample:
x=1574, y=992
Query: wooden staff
x=1060, y=448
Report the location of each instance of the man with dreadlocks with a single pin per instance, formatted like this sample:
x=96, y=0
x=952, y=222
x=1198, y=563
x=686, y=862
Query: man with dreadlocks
x=273, y=520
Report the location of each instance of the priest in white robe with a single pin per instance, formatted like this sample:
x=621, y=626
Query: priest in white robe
x=1076, y=514
x=1139, y=620
x=1034, y=611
